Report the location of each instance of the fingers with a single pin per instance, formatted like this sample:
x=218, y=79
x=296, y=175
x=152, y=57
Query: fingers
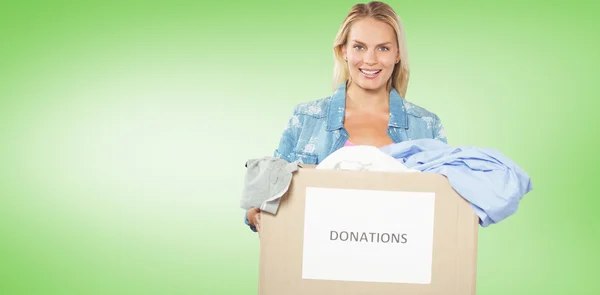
x=257, y=221
x=254, y=218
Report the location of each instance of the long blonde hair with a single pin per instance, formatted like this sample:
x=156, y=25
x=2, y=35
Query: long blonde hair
x=382, y=12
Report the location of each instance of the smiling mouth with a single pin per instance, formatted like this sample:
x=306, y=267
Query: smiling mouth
x=370, y=73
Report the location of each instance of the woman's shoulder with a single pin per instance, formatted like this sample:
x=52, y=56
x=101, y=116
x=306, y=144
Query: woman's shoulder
x=316, y=108
x=418, y=112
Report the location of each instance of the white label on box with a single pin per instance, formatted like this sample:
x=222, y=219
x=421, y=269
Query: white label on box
x=368, y=235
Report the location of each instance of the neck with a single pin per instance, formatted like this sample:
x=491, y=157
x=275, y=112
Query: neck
x=367, y=99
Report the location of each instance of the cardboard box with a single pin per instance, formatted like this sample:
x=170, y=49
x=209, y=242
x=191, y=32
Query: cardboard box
x=367, y=232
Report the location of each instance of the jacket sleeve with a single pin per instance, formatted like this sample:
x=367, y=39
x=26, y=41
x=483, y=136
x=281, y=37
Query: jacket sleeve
x=289, y=138
x=439, y=132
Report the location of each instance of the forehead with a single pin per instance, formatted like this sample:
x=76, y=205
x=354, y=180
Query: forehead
x=371, y=31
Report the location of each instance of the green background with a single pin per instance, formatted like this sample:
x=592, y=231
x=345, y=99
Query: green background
x=125, y=128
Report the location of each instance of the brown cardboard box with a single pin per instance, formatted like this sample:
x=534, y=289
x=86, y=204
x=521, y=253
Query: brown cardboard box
x=367, y=232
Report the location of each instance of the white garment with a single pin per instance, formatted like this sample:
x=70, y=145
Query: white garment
x=362, y=157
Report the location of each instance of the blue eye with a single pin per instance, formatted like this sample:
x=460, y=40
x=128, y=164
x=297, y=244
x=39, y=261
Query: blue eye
x=384, y=48
x=358, y=47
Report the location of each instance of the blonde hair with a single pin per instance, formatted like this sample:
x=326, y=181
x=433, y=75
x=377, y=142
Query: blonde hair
x=382, y=12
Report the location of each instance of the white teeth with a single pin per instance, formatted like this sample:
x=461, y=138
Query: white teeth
x=370, y=72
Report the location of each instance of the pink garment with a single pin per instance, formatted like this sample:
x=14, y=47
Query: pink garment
x=349, y=143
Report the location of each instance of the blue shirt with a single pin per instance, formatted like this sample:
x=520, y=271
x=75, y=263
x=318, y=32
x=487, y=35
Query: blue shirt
x=490, y=181
x=316, y=128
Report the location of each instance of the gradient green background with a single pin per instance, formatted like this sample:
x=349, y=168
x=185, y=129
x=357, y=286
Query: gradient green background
x=125, y=127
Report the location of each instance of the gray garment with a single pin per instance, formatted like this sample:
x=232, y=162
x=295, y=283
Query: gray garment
x=267, y=179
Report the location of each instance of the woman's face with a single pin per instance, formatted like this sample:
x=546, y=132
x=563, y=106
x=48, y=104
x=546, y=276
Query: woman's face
x=371, y=52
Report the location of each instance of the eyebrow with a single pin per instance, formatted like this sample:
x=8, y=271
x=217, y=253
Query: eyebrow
x=359, y=42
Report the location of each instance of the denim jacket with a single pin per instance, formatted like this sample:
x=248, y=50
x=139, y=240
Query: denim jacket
x=315, y=129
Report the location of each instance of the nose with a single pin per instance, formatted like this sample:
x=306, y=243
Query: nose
x=370, y=57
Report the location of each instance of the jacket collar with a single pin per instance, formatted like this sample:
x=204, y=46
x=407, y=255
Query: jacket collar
x=337, y=107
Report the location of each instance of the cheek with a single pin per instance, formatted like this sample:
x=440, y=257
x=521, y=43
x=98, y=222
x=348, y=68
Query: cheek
x=354, y=60
x=389, y=61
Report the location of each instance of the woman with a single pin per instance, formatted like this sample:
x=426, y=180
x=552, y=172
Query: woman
x=367, y=107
